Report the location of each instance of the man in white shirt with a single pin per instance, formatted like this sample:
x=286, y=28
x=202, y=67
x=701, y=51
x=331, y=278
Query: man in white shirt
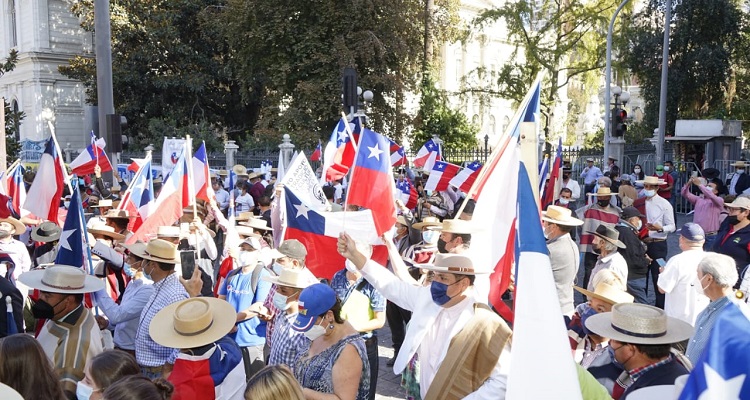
x=15, y=249
x=571, y=184
x=606, y=243
x=678, y=278
x=659, y=222
x=447, y=323
x=222, y=196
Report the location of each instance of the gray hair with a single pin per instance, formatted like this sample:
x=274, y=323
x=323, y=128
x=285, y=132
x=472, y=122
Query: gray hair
x=607, y=246
x=721, y=267
x=604, y=181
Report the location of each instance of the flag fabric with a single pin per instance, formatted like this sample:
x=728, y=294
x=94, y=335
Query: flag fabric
x=398, y=156
x=722, y=370
x=441, y=175
x=139, y=198
x=318, y=153
x=177, y=192
x=43, y=198
x=301, y=179
x=495, y=204
x=70, y=244
x=552, y=189
x=319, y=232
x=17, y=189
x=543, y=171
x=538, y=331
x=135, y=164
x=281, y=170
x=338, y=155
x=464, y=179
x=406, y=192
x=202, y=175
x=218, y=374
x=91, y=157
x=427, y=155
x=372, y=180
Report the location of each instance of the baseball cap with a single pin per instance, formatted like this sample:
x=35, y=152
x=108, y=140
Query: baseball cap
x=292, y=248
x=692, y=232
x=314, y=301
x=630, y=212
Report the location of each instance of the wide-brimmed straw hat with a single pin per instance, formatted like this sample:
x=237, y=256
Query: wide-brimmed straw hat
x=135, y=248
x=739, y=164
x=739, y=202
x=168, y=232
x=245, y=231
x=192, y=322
x=651, y=180
x=560, y=216
x=103, y=203
x=295, y=278
x=239, y=169
x=257, y=223
x=639, y=324
x=124, y=214
x=18, y=226
x=602, y=191
x=107, y=231
x=458, y=226
x=253, y=175
x=64, y=279
x=458, y=264
x=244, y=216
x=159, y=250
x=607, y=293
x=46, y=232
x=427, y=221
x=609, y=234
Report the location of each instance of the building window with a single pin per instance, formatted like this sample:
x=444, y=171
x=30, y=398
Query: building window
x=475, y=120
x=493, y=127
x=458, y=56
x=12, y=23
x=506, y=122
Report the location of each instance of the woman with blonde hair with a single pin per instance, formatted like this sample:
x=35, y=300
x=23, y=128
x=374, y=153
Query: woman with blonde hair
x=274, y=382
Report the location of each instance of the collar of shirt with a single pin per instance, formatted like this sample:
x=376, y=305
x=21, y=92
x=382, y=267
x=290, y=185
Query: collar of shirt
x=638, y=372
x=608, y=257
x=63, y=319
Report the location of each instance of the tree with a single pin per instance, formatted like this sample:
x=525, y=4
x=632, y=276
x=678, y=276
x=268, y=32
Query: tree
x=707, y=49
x=437, y=118
x=12, y=118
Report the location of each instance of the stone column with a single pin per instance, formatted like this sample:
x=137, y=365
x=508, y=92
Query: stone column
x=230, y=149
x=287, y=149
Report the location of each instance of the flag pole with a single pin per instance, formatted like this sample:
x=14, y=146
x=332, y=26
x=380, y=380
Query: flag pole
x=349, y=131
x=191, y=173
x=93, y=147
x=137, y=175
x=84, y=232
x=60, y=156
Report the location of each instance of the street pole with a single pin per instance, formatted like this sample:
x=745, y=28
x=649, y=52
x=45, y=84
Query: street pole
x=104, y=76
x=608, y=81
x=663, y=94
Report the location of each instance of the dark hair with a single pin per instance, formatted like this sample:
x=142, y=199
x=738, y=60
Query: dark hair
x=465, y=237
x=329, y=191
x=122, y=223
x=78, y=297
x=247, y=185
x=111, y=366
x=566, y=190
x=336, y=309
x=164, y=266
x=654, y=351
x=139, y=388
x=566, y=228
x=27, y=369
x=264, y=201
x=460, y=276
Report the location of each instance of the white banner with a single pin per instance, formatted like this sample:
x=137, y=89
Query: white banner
x=301, y=179
x=170, y=154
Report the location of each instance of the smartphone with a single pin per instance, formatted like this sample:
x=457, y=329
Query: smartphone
x=661, y=262
x=187, y=260
x=694, y=174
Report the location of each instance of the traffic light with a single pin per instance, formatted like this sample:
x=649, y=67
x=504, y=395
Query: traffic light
x=620, y=127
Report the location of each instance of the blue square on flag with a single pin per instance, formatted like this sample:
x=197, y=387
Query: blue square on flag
x=374, y=152
x=300, y=216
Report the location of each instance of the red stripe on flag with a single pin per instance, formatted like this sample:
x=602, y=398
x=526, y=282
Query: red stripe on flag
x=500, y=277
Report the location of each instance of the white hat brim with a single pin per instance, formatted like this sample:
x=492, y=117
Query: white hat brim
x=162, y=329
x=590, y=294
x=33, y=279
x=435, y=268
x=275, y=280
x=572, y=221
x=601, y=324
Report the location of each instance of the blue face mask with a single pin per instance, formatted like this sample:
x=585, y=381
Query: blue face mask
x=128, y=270
x=147, y=275
x=586, y=314
x=616, y=363
x=439, y=292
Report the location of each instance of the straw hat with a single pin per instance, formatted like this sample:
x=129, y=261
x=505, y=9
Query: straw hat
x=609, y=234
x=453, y=263
x=18, y=226
x=739, y=164
x=168, y=232
x=602, y=191
x=159, y=250
x=135, y=248
x=651, y=180
x=607, y=293
x=107, y=231
x=295, y=278
x=427, y=221
x=639, y=324
x=103, y=203
x=246, y=231
x=239, y=169
x=739, y=202
x=244, y=216
x=64, y=279
x=46, y=232
x=192, y=322
x=254, y=175
x=118, y=214
x=459, y=226
x=560, y=216
x=223, y=172
x=401, y=220
x=257, y=223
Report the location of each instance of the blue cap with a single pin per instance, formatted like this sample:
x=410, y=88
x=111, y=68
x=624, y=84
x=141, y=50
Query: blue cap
x=692, y=232
x=314, y=301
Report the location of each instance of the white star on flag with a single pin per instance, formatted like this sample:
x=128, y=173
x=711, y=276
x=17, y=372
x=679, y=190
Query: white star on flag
x=375, y=152
x=302, y=210
x=64, y=239
x=720, y=388
x=342, y=136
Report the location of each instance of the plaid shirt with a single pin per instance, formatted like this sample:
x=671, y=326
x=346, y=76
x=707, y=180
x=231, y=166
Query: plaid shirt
x=148, y=353
x=288, y=344
x=638, y=372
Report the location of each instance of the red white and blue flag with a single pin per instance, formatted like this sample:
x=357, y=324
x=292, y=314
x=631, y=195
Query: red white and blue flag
x=216, y=374
x=339, y=153
x=318, y=153
x=406, y=192
x=17, y=189
x=202, y=175
x=70, y=245
x=427, y=155
x=464, y=179
x=43, y=198
x=91, y=157
x=552, y=188
x=372, y=180
x=398, y=156
x=139, y=198
x=441, y=175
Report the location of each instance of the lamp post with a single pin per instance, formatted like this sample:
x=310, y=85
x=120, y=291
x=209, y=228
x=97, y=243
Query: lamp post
x=608, y=75
x=364, y=97
x=616, y=147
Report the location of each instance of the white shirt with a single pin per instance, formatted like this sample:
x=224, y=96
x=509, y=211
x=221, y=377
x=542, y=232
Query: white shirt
x=679, y=280
x=574, y=187
x=615, y=262
x=222, y=199
x=659, y=211
x=243, y=203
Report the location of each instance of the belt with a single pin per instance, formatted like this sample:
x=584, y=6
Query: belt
x=711, y=233
x=131, y=352
x=153, y=370
x=652, y=240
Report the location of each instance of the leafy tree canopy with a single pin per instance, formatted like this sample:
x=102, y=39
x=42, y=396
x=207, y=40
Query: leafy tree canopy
x=437, y=118
x=12, y=118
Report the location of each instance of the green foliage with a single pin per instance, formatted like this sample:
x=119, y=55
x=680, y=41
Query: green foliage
x=595, y=140
x=12, y=119
x=437, y=118
x=708, y=46
x=198, y=132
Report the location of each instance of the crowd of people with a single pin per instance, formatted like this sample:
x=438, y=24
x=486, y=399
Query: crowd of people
x=208, y=309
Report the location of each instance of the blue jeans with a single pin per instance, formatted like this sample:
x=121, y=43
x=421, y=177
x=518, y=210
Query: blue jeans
x=709, y=243
x=637, y=288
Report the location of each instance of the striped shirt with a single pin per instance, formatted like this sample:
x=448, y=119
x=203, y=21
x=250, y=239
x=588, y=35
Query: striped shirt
x=593, y=216
x=148, y=353
x=703, y=326
x=288, y=344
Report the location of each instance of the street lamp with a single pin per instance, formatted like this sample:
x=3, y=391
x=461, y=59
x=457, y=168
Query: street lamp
x=364, y=97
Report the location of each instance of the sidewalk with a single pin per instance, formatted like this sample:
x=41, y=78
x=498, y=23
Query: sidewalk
x=389, y=385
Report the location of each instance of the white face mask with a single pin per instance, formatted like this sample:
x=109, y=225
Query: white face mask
x=564, y=201
x=431, y=236
x=279, y=301
x=637, y=170
x=83, y=391
x=639, y=224
x=740, y=171
x=315, y=332
x=698, y=285
x=277, y=268
x=649, y=193
x=667, y=168
x=246, y=258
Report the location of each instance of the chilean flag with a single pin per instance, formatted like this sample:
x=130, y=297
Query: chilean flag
x=139, y=198
x=43, y=198
x=202, y=176
x=406, y=192
x=427, y=155
x=339, y=153
x=94, y=154
x=318, y=153
x=467, y=176
x=441, y=175
x=17, y=189
x=398, y=157
x=552, y=189
x=70, y=245
x=372, y=181
x=177, y=192
x=319, y=232
x=137, y=162
x=217, y=374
